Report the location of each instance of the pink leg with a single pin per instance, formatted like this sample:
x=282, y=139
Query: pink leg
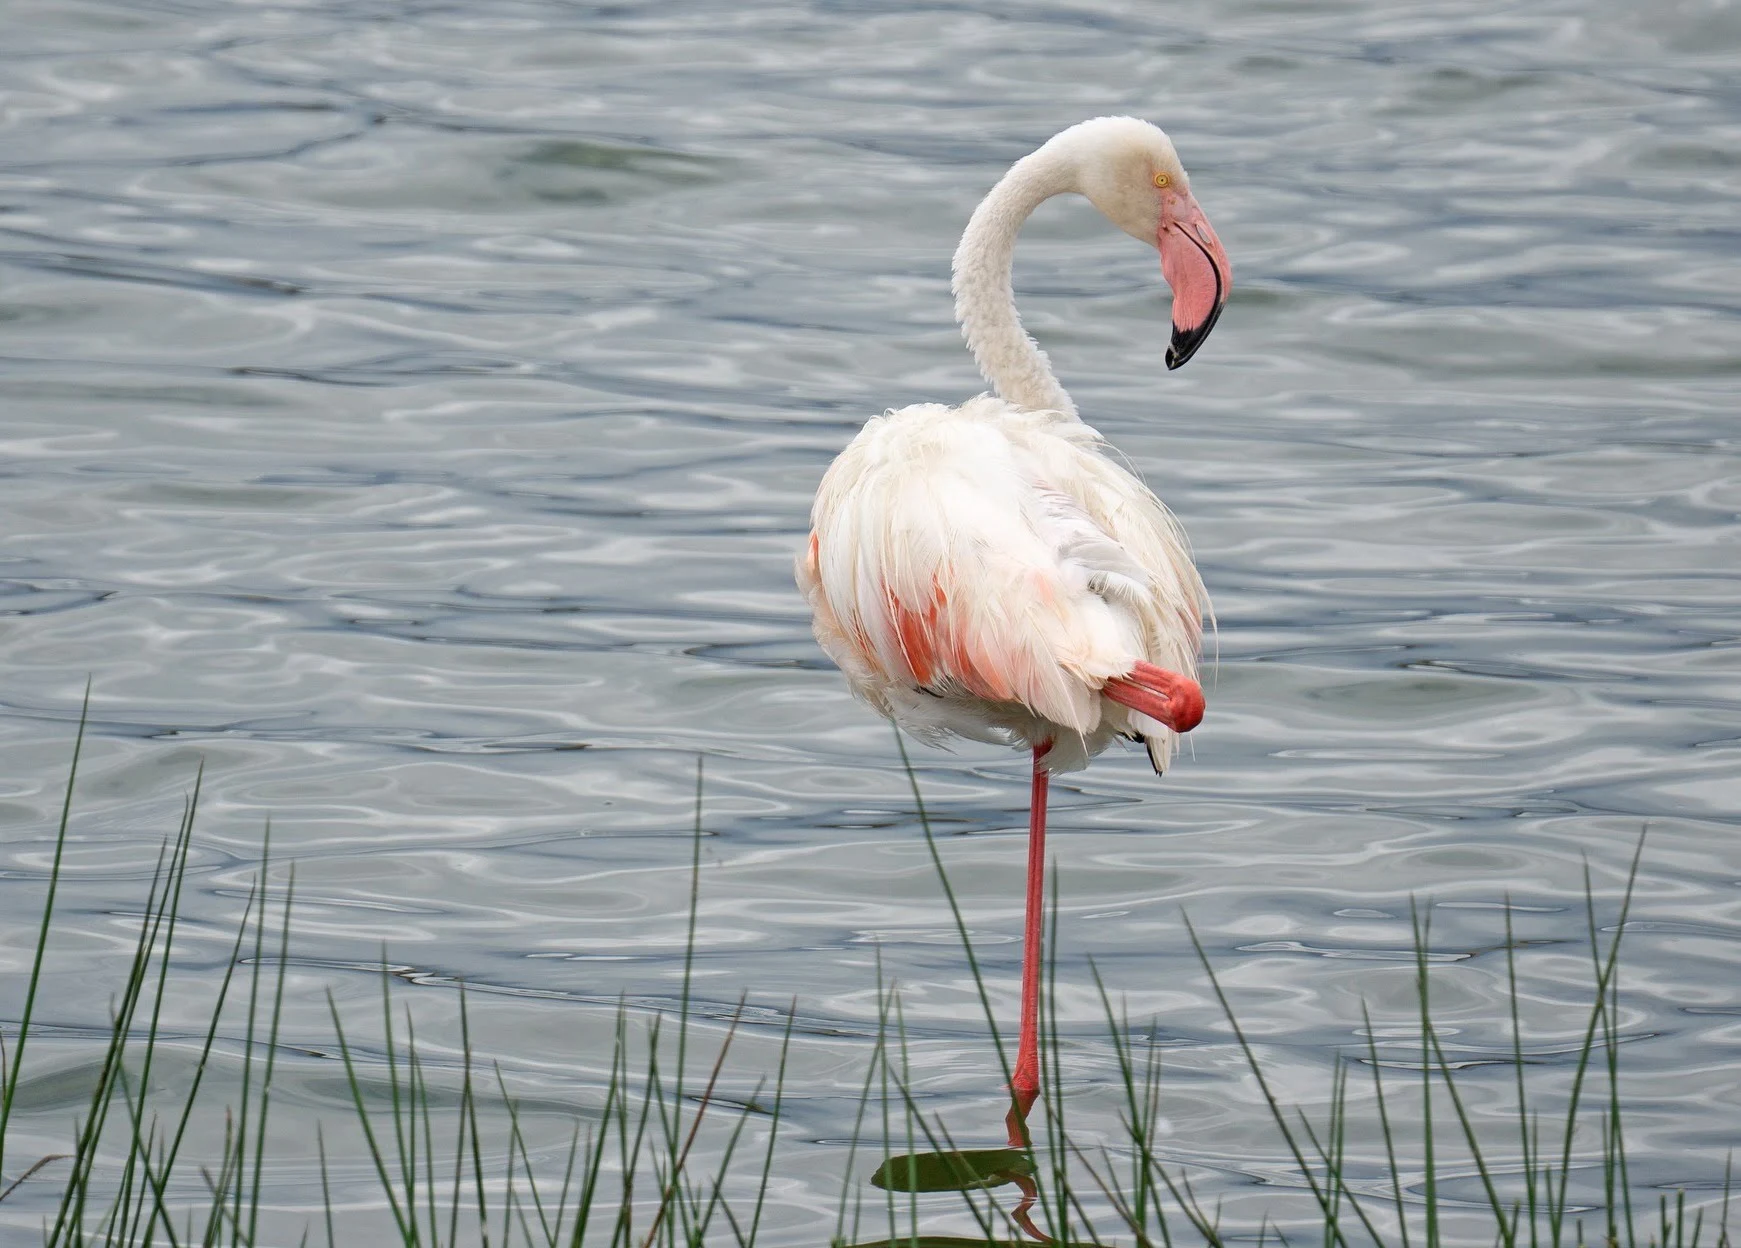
x=1022, y=1215
x=1025, y=1083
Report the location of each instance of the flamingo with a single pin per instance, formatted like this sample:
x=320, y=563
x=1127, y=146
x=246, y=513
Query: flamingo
x=987, y=571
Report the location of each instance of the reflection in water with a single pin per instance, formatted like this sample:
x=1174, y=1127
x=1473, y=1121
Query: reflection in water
x=958, y=1241
x=961, y=1241
x=953, y=1172
x=966, y=1171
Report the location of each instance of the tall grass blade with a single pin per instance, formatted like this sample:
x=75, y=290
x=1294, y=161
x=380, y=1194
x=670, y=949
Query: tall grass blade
x=954, y=910
x=1263, y=1084
x=9, y=1093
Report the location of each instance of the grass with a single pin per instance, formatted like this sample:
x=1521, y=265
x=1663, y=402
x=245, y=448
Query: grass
x=442, y=1150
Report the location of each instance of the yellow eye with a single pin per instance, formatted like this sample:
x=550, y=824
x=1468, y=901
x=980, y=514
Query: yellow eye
x=1163, y=180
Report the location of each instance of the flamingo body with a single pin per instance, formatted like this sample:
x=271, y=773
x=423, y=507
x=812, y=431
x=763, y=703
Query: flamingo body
x=984, y=570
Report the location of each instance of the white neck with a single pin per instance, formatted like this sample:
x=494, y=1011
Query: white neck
x=985, y=302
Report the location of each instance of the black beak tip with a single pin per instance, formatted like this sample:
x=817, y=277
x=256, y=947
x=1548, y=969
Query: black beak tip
x=1186, y=341
x=1184, y=345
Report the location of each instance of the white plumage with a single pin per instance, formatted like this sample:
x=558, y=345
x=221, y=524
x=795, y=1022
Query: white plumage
x=983, y=570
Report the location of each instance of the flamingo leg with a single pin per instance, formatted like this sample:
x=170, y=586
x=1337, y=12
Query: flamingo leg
x=1022, y=1215
x=1025, y=1082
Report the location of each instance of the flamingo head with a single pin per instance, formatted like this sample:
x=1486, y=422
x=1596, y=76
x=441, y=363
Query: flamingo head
x=1128, y=169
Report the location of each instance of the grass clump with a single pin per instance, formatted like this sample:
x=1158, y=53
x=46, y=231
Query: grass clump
x=662, y=1157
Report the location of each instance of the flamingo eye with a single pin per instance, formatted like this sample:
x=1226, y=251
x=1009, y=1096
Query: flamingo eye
x=1163, y=180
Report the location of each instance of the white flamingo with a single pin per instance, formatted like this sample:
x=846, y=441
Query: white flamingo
x=986, y=570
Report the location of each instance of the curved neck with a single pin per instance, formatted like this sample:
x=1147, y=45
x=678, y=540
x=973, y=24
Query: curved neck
x=985, y=301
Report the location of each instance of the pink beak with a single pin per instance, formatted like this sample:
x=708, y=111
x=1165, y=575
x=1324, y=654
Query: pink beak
x=1196, y=267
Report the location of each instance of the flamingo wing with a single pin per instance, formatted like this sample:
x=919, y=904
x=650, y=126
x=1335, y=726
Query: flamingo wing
x=991, y=555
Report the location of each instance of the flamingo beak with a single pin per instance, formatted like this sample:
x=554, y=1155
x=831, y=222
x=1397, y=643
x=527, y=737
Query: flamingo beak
x=1196, y=267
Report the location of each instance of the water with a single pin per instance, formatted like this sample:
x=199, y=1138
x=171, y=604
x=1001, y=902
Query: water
x=412, y=411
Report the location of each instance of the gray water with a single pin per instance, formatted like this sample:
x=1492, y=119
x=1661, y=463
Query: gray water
x=411, y=412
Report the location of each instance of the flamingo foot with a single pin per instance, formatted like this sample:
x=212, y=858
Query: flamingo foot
x=1174, y=700
x=1024, y=1091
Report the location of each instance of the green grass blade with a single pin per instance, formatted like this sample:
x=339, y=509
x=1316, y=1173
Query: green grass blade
x=1603, y=969
x=9, y=1093
x=1507, y=1228
x=271, y=1052
x=1263, y=1084
x=954, y=908
x=69, y=1219
x=469, y=1113
x=1529, y=1160
x=325, y=1186
x=774, y=1121
x=407, y=1232
x=1421, y=926
x=1396, y=1183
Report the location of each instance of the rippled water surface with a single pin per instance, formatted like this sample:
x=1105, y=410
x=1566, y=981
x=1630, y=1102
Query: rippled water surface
x=411, y=411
